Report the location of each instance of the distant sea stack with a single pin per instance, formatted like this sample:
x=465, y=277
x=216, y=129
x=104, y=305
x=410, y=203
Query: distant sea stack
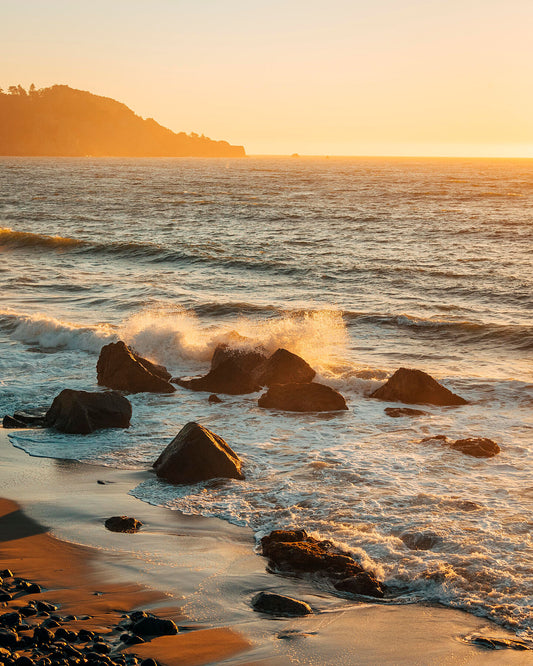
x=64, y=122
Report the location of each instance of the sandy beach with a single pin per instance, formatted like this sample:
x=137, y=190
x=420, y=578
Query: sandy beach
x=201, y=573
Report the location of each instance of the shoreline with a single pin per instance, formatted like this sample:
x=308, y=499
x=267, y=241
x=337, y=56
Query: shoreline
x=208, y=568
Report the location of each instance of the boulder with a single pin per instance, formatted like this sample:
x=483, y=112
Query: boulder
x=479, y=447
x=33, y=416
x=227, y=377
x=123, y=524
x=154, y=626
x=363, y=583
x=416, y=387
x=11, y=422
x=397, y=412
x=246, y=358
x=283, y=367
x=82, y=412
x=308, y=397
x=120, y=368
x=278, y=604
x=197, y=454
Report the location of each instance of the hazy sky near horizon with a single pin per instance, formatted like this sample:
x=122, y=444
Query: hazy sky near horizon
x=344, y=77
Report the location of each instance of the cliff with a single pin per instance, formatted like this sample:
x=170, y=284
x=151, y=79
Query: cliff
x=62, y=121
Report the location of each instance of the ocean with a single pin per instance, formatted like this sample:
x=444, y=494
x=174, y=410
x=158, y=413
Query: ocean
x=359, y=265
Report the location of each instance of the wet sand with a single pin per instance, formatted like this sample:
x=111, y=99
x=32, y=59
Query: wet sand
x=202, y=573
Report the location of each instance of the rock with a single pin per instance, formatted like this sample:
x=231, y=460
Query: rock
x=295, y=550
x=33, y=417
x=8, y=638
x=397, y=412
x=123, y=524
x=278, y=604
x=308, y=397
x=197, y=454
x=131, y=639
x=34, y=588
x=154, y=626
x=479, y=447
x=149, y=662
x=416, y=387
x=83, y=412
x=42, y=635
x=283, y=367
x=420, y=540
x=5, y=596
x=120, y=368
x=214, y=399
x=363, y=583
x=228, y=377
x=11, y=422
x=499, y=643
x=10, y=620
x=246, y=358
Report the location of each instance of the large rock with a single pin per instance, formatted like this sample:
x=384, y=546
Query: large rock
x=120, y=368
x=82, y=412
x=227, y=377
x=278, y=604
x=154, y=626
x=479, y=447
x=310, y=397
x=283, y=367
x=416, y=387
x=197, y=454
x=246, y=358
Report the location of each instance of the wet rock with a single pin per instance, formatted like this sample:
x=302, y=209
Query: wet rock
x=149, y=662
x=421, y=540
x=363, y=583
x=397, y=412
x=6, y=573
x=131, y=639
x=214, y=399
x=499, y=643
x=33, y=588
x=33, y=416
x=295, y=550
x=5, y=596
x=120, y=368
x=82, y=412
x=154, y=626
x=42, y=635
x=416, y=387
x=479, y=447
x=11, y=422
x=10, y=620
x=247, y=358
x=197, y=454
x=8, y=638
x=24, y=661
x=123, y=524
x=283, y=367
x=278, y=604
x=306, y=397
x=227, y=377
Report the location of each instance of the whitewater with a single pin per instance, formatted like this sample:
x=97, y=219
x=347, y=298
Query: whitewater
x=361, y=266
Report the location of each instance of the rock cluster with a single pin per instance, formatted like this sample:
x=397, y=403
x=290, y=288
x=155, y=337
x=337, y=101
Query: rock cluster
x=34, y=634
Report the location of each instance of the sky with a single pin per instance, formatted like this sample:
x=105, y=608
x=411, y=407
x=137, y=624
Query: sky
x=344, y=77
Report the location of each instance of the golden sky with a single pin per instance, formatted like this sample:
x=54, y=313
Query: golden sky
x=380, y=77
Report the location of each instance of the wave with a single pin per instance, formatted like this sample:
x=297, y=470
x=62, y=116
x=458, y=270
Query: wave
x=51, y=333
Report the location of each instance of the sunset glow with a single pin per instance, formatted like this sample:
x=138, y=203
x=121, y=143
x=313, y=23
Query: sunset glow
x=314, y=78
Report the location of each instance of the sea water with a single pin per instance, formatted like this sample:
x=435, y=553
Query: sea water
x=361, y=266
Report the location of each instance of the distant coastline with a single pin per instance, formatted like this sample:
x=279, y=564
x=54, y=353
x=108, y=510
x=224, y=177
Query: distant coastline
x=64, y=122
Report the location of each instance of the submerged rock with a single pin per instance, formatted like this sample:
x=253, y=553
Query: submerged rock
x=214, y=399
x=478, y=447
x=499, y=643
x=308, y=397
x=363, y=583
x=283, y=367
x=197, y=454
x=420, y=540
x=120, y=368
x=416, y=387
x=397, y=412
x=81, y=412
x=278, y=604
x=123, y=524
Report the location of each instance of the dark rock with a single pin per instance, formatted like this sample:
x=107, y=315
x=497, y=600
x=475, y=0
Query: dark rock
x=131, y=639
x=84, y=635
x=295, y=550
x=5, y=596
x=213, y=398
x=246, y=357
x=33, y=417
x=120, y=368
x=283, y=367
x=33, y=588
x=479, y=447
x=50, y=623
x=228, y=377
x=123, y=524
x=416, y=387
x=277, y=604
x=155, y=626
x=24, y=661
x=138, y=615
x=6, y=573
x=8, y=638
x=421, y=540
x=28, y=611
x=83, y=412
x=362, y=583
x=10, y=619
x=397, y=412
x=149, y=662
x=101, y=648
x=307, y=397
x=197, y=454
x=10, y=422
x=499, y=643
